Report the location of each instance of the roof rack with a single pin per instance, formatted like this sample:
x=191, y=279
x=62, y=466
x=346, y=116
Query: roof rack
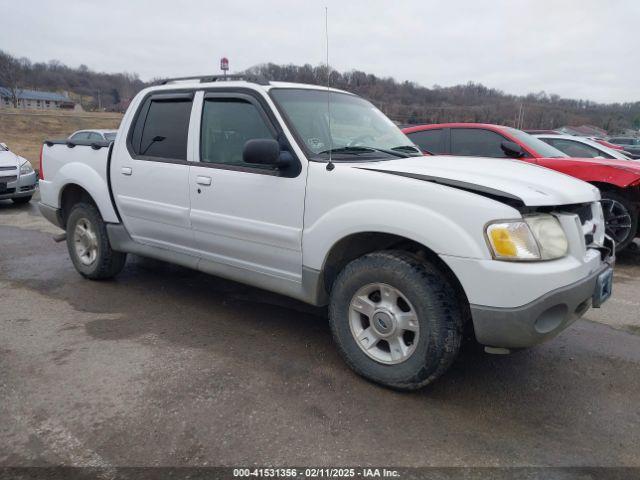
x=218, y=78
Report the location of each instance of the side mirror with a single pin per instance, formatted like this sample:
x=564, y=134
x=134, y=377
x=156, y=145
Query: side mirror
x=261, y=151
x=4, y=145
x=512, y=149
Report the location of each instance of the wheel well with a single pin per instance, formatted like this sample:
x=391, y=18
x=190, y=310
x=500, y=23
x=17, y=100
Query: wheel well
x=632, y=193
x=356, y=245
x=71, y=195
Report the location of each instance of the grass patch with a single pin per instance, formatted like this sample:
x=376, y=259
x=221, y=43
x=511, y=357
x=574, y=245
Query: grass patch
x=25, y=130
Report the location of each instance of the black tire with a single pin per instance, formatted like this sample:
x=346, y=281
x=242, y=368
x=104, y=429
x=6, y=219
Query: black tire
x=108, y=263
x=21, y=200
x=612, y=228
x=430, y=294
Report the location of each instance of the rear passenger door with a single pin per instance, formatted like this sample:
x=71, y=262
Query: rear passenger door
x=246, y=218
x=150, y=175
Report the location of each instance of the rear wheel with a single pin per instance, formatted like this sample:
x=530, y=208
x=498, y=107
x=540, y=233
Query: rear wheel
x=621, y=218
x=395, y=319
x=21, y=200
x=89, y=246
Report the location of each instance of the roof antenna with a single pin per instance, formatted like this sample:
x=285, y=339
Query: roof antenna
x=330, y=165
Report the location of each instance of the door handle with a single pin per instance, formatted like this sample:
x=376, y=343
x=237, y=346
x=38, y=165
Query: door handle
x=126, y=170
x=202, y=180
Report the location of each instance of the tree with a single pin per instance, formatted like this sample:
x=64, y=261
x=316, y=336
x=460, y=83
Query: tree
x=11, y=75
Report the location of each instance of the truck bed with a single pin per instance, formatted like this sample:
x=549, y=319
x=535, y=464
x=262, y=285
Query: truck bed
x=80, y=163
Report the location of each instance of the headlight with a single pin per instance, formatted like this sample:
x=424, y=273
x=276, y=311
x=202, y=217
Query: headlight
x=25, y=168
x=535, y=237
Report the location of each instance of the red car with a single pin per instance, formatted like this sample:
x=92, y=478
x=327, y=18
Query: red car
x=602, y=141
x=618, y=180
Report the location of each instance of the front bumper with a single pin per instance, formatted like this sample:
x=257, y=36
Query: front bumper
x=23, y=186
x=539, y=320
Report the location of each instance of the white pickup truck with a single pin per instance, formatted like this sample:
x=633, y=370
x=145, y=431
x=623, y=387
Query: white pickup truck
x=315, y=194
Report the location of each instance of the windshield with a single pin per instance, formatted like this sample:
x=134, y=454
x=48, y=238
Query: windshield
x=356, y=127
x=110, y=136
x=544, y=149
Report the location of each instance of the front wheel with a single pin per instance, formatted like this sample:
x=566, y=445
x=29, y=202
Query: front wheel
x=395, y=319
x=620, y=217
x=89, y=246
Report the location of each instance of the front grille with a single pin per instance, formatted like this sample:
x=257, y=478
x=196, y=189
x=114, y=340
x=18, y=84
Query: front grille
x=4, y=169
x=585, y=214
x=7, y=190
x=7, y=179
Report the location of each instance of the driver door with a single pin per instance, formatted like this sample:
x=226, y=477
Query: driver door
x=246, y=219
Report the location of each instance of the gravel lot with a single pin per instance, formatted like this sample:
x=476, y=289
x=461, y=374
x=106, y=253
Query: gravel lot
x=166, y=366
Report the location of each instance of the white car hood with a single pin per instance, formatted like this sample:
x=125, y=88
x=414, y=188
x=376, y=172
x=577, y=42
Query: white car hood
x=9, y=159
x=514, y=179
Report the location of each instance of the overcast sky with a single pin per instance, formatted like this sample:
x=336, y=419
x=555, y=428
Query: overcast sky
x=576, y=48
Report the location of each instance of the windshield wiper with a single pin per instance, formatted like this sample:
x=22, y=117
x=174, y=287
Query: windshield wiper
x=407, y=148
x=357, y=149
x=348, y=150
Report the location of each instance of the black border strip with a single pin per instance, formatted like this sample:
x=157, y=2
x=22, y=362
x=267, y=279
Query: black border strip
x=492, y=193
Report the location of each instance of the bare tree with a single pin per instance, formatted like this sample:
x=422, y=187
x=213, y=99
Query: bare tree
x=11, y=75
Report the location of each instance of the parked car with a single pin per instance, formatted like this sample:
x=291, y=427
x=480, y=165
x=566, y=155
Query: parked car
x=102, y=135
x=581, y=147
x=630, y=144
x=602, y=141
x=17, y=177
x=245, y=180
x=618, y=180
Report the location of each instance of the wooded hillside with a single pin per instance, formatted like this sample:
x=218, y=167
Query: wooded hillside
x=405, y=102
x=408, y=102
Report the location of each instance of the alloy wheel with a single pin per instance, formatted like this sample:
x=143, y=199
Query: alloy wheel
x=85, y=242
x=617, y=220
x=383, y=323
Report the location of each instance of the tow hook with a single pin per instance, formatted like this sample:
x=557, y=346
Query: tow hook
x=60, y=237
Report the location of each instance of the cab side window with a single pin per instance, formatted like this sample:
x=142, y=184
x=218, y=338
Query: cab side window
x=162, y=129
x=476, y=142
x=227, y=124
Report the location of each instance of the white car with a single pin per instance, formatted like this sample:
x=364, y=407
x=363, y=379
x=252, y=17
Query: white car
x=17, y=177
x=580, y=147
x=266, y=184
x=92, y=135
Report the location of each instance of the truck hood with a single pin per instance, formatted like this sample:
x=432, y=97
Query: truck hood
x=507, y=180
x=9, y=159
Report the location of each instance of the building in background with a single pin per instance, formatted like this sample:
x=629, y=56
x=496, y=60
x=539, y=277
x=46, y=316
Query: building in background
x=36, y=100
